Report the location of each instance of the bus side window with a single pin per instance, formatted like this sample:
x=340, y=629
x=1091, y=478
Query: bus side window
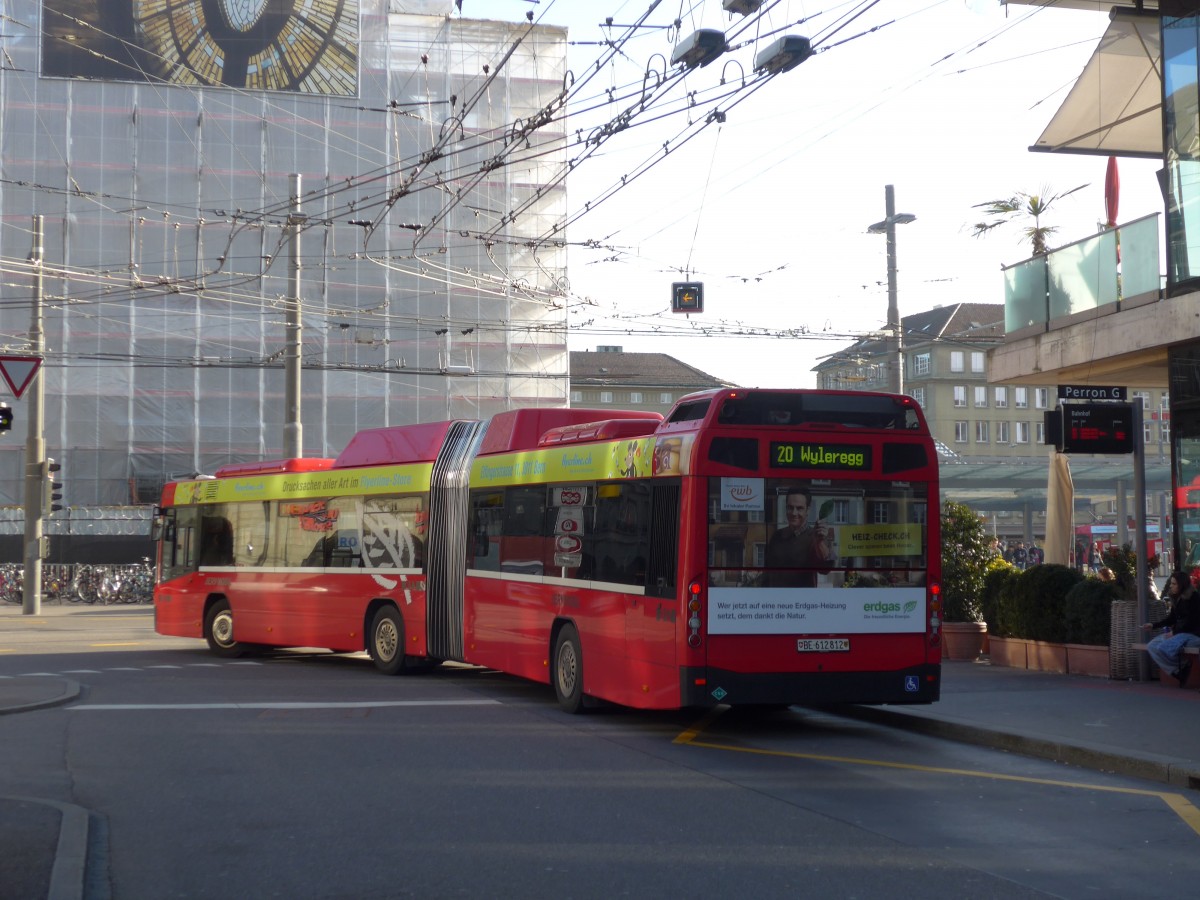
x=487, y=519
x=216, y=541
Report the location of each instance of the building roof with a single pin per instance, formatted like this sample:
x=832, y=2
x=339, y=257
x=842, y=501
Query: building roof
x=959, y=323
x=654, y=370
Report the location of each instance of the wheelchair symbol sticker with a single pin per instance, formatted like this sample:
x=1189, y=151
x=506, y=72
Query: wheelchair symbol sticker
x=911, y=684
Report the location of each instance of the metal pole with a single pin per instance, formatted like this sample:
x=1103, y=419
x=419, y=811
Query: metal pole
x=895, y=356
x=1139, y=494
x=293, y=436
x=35, y=445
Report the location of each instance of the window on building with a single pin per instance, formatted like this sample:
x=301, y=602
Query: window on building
x=960, y=395
x=980, y=397
x=981, y=431
x=1147, y=432
x=1021, y=397
x=978, y=361
x=665, y=397
x=918, y=394
x=1041, y=398
x=635, y=396
x=1001, y=432
x=1022, y=432
x=1143, y=396
x=1164, y=426
x=576, y=396
x=1000, y=395
x=957, y=361
x=1040, y=429
x=920, y=363
x=606, y=396
x=960, y=432
x=880, y=512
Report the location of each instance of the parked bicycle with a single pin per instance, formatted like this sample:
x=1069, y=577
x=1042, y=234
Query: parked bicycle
x=12, y=581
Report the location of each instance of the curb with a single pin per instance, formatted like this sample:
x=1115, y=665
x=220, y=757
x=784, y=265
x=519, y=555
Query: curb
x=70, y=858
x=70, y=692
x=1162, y=769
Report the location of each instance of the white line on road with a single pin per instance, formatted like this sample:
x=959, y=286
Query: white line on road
x=365, y=704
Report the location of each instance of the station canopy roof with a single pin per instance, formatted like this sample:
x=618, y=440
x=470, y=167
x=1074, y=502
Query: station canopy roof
x=1115, y=108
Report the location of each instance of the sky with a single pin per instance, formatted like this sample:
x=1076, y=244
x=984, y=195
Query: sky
x=770, y=208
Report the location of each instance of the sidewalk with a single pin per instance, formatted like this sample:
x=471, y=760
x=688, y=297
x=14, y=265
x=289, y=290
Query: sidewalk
x=1141, y=729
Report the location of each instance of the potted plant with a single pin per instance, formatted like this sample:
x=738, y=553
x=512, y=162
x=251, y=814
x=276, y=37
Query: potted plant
x=966, y=551
x=1088, y=614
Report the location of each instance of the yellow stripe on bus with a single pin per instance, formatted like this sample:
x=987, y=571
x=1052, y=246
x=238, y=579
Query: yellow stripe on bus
x=405, y=479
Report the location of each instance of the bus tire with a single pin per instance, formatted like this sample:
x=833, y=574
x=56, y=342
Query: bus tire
x=218, y=631
x=386, y=643
x=567, y=670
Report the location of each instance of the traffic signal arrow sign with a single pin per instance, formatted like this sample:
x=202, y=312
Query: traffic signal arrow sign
x=18, y=371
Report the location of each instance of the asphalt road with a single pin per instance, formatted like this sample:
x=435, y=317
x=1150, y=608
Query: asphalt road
x=312, y=776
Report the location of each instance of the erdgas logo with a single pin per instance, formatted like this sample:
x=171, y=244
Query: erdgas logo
x=880, y=606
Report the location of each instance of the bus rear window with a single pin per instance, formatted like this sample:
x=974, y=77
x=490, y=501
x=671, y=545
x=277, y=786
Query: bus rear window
x=774, y=409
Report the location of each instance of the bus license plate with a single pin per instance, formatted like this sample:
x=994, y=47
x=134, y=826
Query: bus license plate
x=823, y=645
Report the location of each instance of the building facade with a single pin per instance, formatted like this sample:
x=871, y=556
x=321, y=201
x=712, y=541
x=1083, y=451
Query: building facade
x=635, y=381
x=159, y=155
x=992, y=435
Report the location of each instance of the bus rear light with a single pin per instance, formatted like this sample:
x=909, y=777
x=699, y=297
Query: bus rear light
x=935, y=610
x=694, y=604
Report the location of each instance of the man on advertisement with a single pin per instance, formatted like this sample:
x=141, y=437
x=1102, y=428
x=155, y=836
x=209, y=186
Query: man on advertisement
x=799, y=545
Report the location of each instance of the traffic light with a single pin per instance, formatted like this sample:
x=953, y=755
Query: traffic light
x=5, y=417
x=51, y=488
x=687, y=297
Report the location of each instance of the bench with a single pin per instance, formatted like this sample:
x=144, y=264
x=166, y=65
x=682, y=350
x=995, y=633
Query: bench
x=1193, y=676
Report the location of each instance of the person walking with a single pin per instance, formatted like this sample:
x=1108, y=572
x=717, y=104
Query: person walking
x=1183, y=624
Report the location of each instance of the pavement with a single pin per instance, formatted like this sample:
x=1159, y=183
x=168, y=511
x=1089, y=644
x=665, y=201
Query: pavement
x=1147, y=730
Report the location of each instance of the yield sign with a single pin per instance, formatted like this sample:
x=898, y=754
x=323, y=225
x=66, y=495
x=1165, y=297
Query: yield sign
x=18, y=371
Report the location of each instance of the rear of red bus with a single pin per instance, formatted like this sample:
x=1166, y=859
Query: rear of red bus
x=811, y=552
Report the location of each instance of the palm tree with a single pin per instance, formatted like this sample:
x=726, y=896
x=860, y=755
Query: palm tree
x=1027, y=207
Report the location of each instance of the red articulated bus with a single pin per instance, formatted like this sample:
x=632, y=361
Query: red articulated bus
x=753, y=547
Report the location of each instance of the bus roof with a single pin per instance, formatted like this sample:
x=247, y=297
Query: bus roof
x=396, y=444
x=610, y=430
x=274, y=467
x=522, y=429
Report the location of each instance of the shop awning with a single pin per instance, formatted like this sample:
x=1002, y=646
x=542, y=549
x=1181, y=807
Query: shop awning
x=1115, y=108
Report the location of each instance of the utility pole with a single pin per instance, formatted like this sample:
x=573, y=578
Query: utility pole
x=888, y=227
x=293, y=434
x=35, y=445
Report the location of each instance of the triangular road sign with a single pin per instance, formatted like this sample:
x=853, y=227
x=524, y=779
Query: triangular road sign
x=18, y=371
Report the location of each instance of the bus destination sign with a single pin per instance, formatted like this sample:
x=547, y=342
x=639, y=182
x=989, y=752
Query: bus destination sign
x=800, y=455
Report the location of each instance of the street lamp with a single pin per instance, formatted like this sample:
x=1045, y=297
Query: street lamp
x=888, y=227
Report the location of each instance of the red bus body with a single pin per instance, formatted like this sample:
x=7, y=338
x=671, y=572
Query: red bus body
x=641, y=556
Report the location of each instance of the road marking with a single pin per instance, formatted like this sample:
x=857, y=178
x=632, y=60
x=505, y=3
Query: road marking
x=120, y=644
x=353, y=704
x=1178, y=804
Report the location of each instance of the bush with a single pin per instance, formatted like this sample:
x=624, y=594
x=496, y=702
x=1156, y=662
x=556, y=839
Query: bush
x=1123, y=563
x=1032, y=605
x=1088, y=611
x=999, y=573
x=966, y=549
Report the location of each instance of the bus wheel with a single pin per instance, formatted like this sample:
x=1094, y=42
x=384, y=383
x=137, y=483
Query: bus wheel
x=567, y=671
x=386, y=645
x=218, y=631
